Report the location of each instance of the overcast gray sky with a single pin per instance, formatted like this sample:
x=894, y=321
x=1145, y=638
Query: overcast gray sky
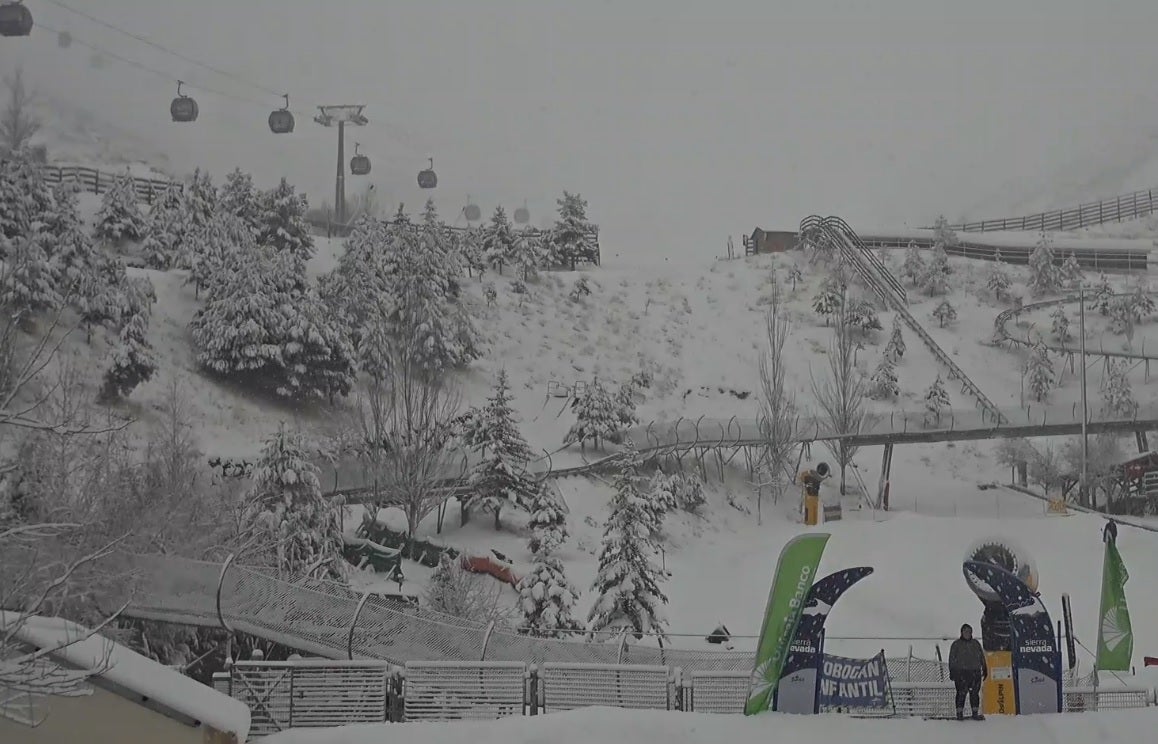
x=680, y=122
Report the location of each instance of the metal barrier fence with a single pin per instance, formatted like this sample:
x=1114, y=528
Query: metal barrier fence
x=309, y=693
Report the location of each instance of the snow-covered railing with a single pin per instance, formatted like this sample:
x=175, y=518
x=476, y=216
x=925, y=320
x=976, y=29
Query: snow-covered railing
x=1002, y=335
x=1077, y=699
x=310, y=693
x=1092, y=258
x=716, y=692
x=1115, y=209
x=98, y=182
x=570, y=686
x=452, y=690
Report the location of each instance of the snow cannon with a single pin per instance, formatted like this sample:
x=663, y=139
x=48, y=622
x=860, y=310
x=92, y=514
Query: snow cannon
x=998, y=693
x=1006, y=554
x=811, y=480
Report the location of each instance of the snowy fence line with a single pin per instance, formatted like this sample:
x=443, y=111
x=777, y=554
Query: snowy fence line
x=283, y=695
x=1116, y=209
x=1111, y=260
x=98, y=182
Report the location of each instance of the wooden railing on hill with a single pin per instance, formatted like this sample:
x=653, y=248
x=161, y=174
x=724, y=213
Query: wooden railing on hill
x=98, y=182
x=1115, y=209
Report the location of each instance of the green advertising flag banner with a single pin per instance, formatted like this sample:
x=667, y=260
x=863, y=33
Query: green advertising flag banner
x=795, y=571
x=1115, y=636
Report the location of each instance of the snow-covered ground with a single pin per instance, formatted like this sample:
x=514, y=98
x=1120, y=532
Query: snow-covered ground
x=590, y=725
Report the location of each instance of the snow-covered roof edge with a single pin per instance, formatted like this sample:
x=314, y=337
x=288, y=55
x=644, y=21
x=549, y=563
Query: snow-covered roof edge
x=129, y=670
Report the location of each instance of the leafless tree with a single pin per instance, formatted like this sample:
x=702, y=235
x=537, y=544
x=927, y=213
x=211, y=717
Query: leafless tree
x=841, y=396
x=778, y=403
x=17, y=124
x=407, y=426
x=455, y=591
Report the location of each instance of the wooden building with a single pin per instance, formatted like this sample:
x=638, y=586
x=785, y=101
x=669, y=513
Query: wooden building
x=769, y=241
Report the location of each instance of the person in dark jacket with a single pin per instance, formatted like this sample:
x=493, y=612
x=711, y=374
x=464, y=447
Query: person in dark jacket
x=967, y=668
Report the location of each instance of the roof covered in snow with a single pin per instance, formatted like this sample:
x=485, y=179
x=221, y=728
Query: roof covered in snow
x=124, y=668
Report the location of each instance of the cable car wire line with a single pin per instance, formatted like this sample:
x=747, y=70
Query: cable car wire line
x=161, y=47
x=397, y=133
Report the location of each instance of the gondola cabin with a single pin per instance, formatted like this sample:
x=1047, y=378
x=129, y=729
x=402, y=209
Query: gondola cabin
x=472, y=213
x=359, y=165
x=428, y=179
x=15, y=20
x=64, y=40
x=281, y=122
x=522, y=216
x=183, y=109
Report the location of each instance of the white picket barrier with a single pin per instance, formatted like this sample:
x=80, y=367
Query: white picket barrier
x=453, y=690
x=716, y=692
x=570, y=686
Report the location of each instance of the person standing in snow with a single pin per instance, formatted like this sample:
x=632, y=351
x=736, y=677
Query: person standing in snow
x=967, y=668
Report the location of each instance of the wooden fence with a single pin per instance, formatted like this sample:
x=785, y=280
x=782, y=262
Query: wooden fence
x=1094, y=259
x=98, y=182
x=1115, y=209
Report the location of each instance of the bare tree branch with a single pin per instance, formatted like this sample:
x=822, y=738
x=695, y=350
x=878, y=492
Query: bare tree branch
x=778, y=404
x=841, y=396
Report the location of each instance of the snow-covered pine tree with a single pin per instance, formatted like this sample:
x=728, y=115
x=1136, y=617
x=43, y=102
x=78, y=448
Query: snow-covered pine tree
x=794, y=275
x=527, y=253
x=678, y=491
x=31, y=282
x=998, y=281
x=944, y=234
x=828, y=300
x=895, y=348
x=101, y=293
x=863, y=317
x=133, y=360
x=468, y=245
x=595, y=416
x=913, y=267
x=548, y=522
x=547, y=600
x=1044, y=276
x=200, y=201
x=1103, y=295
x=934, y=280
x=571, y=239
x=283, y=222
x=24, y=197
x=212, y=248
x=263, y=324
x=945, y=313
x=498, y=241
x=1117, y=395
x=883, y=383
x=580, y=289
x=406, y=284
x=499, y=481
x=627, y=580
x=286, y=515
x=1060, y=324
x=166, y=231
x=1141, y=304
x=119, y=218
x=1070, y=274
x=936, y=401
x=1121, y=315
x=1039, y=373
x=72, y=251
x=625, y=406
x=238, y=197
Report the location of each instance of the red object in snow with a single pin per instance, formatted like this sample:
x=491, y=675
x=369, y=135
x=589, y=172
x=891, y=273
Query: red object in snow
x=1150, y=660
x=488, y=565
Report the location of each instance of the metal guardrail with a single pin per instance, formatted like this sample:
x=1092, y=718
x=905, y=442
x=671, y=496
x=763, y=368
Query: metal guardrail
x=1001, y=335
x=295, y=694
x=1099, y=259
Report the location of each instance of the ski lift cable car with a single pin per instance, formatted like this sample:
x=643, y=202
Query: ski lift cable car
x=281, y=121
x=522, y=214
x=15, y=19
x=471, y=211
x=428, y=179
x=359, y=164
x=183, y=108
